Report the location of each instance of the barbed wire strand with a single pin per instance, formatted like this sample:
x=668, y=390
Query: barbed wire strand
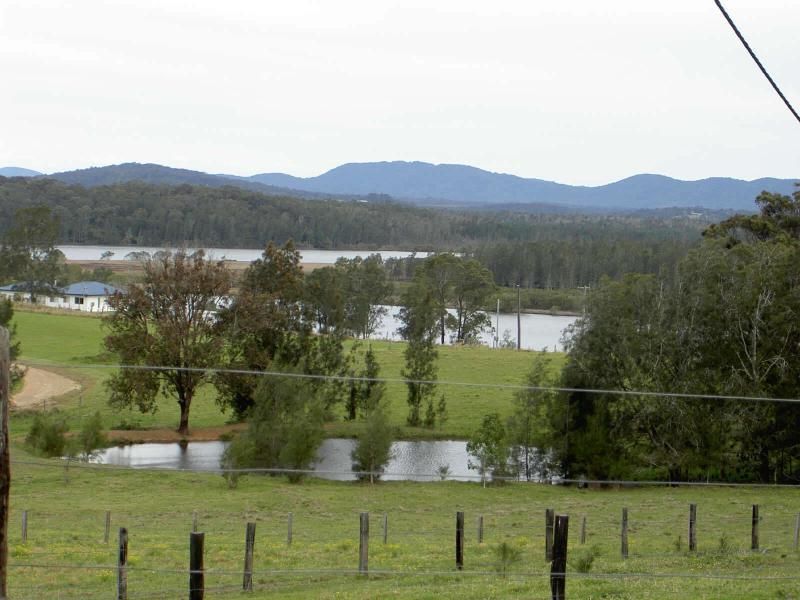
x=420, y=573
x=400, y=380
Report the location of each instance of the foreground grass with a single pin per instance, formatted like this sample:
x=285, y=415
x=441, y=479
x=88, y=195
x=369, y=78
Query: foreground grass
x=66, y=524
x=70, y=342
x=65, y=557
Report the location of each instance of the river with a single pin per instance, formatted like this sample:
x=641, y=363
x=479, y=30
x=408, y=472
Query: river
x=327, y=257
x=539, y=331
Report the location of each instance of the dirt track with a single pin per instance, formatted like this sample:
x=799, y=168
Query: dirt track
x=39, y=387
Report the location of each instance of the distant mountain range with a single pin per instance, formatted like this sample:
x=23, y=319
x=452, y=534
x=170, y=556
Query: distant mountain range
x=461, y=184
x=17, y=172
x=450, y=185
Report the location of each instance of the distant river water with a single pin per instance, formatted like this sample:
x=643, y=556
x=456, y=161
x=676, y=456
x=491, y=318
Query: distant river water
x=413, y=461
x=538, y=331
x=327, y=257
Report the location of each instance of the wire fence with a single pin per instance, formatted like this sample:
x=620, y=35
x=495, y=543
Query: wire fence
x=405, y=381
x=305, y=547
x=313, y=548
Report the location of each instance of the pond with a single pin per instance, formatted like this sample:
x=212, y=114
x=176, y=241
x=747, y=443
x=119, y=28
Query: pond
x=412, y=460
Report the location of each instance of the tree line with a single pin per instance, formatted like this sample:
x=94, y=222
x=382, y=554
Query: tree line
x=533, y=250
x=724, y=325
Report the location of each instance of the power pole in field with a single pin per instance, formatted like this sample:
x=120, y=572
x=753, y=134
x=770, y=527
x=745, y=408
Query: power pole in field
x=585, y=289
x=519, y=326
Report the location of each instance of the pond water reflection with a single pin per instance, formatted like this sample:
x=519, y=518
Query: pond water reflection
x=411, y=460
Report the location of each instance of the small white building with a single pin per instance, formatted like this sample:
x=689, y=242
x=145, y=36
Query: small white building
x=86, y=296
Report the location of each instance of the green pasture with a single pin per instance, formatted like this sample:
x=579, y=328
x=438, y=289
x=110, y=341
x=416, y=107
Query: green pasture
x=65, y=555
x=67, y=343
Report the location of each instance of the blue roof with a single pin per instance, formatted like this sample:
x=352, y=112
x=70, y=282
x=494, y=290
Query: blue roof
x=82, y=288
x=89, y=288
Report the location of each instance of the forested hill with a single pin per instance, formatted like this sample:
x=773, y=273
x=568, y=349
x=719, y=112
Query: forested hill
x=146, y=214
x=161, y=175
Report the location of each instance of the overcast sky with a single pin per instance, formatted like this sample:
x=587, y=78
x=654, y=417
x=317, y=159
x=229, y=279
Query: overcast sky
x=579, y=91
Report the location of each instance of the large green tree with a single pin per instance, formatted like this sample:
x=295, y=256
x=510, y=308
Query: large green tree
x=725, y=324
x=162, y=330
x=349, y=296
x=29, y=253
x=472, y=290
x=489, y=448
x=536, y=425
x=284, y=431
x=419, y=317
x=463, y=284
x=265, y=325
x=367, y=292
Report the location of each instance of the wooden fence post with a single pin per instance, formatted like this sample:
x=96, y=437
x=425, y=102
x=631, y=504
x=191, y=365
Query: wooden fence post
x=549, y=524
x=480, y=529
x=583, y=529
x=289, y=529
x=796, y=531
x=692, y=527
x=558, y=568
x=459, y=540
x=385, y=527
x=107, y=532
x=249, y=544
x=122, y=562
x=754, y=529
x=5, y=459
x=624, y=534
x=196, y=574
x=24, y=526
x=363, y=543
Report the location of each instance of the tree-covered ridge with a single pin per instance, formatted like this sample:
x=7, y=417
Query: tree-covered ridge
x=534, y=250
x=145, y=214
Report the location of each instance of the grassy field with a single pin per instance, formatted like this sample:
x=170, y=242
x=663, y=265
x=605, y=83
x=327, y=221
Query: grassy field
x=68, y=342
x=65, y=557
x=66, y=525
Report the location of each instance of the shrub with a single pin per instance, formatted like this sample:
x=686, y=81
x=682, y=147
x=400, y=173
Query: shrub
x=373, y=449
x=506, y=556
x=90, y=439
x=237, y=455
x=583, y=559
x=46, y=436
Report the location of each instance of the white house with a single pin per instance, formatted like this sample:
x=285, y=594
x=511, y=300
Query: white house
x=87, y=296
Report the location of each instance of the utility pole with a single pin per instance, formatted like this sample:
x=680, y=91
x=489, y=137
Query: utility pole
x=585, y=289
x=519, y=323
x=5, y=469
x=497, y=326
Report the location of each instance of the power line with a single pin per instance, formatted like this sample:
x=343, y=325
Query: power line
x=353, y=379
x=755, y=58
x=101, y=467
x=420, y=573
